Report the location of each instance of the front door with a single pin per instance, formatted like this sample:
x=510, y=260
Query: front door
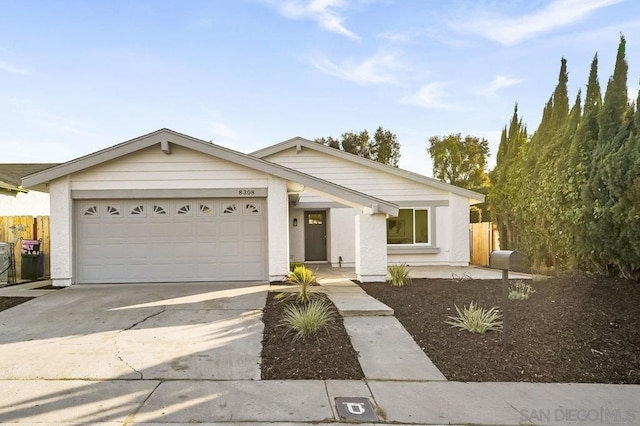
x=315, y=235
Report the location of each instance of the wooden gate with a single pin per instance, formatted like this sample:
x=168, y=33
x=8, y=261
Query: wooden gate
x=35, y=228
x=483, y=239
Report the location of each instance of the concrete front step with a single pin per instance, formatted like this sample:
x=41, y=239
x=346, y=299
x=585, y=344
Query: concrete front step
x=353, y=304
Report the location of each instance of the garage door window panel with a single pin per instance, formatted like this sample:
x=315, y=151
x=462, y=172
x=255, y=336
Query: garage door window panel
x=230, y=210
x=137, y=210
x=160, y=210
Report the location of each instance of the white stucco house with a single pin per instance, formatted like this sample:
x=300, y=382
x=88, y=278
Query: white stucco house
x=167, y=207
x=16, y=200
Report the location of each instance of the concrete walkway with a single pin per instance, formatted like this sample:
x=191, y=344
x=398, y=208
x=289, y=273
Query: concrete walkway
x=385, y=349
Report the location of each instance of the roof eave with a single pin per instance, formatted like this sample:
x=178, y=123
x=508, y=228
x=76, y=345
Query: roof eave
x=204, y=147
x=425, y=180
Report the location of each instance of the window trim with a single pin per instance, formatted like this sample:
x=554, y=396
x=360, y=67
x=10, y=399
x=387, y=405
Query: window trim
x=430, y=230
x=431, y=244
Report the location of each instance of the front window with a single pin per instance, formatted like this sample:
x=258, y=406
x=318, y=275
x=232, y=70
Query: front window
x=411, y=226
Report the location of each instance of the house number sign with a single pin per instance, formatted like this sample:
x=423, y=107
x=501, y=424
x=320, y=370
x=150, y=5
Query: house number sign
x=247, y=192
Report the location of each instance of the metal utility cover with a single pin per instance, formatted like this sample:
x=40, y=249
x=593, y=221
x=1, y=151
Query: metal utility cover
x=356, y=410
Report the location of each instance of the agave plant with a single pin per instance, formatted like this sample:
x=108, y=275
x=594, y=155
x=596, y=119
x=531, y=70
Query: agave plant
x=399, y=275
x=476, y=319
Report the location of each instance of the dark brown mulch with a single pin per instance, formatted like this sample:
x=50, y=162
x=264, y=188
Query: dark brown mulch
x=573, y=329
x=327, y=356
x=10, y=302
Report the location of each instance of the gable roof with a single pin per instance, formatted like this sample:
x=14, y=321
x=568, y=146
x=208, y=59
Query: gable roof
x=164, y=137
x=299, y=142
x=11, y=174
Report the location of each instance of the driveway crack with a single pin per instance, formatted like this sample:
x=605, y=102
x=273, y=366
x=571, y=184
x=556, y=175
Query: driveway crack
x=155, y=314
x=115, y=340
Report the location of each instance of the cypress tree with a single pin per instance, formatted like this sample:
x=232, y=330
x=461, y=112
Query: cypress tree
x=579, y=167
x=547, y=145
x=563, y=195
x=506, y=179
x=603, y=189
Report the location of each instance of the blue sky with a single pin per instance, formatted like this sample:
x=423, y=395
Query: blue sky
x=79, y=76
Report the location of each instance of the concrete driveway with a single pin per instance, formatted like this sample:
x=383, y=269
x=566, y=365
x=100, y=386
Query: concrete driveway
x=141, y=331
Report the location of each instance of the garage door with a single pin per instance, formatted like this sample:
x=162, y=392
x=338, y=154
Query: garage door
x=122, y=241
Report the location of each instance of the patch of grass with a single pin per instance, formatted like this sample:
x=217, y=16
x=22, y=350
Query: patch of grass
x=520, y=291
x=476, y=319
x=305, y=320
x=399, y=275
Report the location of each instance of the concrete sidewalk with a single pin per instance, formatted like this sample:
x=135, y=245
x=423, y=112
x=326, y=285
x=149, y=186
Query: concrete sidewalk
x=306, y=401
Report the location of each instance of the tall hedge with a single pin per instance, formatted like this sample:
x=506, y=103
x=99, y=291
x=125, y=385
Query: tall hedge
x=569, y=195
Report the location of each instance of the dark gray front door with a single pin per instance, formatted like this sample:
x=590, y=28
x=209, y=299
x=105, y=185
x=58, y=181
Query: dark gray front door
x=315, y=236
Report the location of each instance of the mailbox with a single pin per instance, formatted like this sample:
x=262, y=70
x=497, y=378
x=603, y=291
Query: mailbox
x=507, y=260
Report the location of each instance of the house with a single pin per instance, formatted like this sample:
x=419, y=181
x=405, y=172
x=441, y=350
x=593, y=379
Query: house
x=167, y=207
x=16, y=200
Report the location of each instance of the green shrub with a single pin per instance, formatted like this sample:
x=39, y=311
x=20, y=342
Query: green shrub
x=294, y=265
x=304, y=279
x=304, y=320
x=520, y=291
x=476, y=319
x=399, y=275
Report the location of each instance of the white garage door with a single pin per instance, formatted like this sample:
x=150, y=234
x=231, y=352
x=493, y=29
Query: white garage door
x=123, y=241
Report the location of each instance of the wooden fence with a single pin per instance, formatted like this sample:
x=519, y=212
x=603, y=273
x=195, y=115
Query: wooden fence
x=36, y=228
x=483, y=239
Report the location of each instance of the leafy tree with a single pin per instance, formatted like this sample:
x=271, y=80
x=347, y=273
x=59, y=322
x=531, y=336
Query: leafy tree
x=329, y=141
x=460, y=162
x=357, y=143
x=383, y=148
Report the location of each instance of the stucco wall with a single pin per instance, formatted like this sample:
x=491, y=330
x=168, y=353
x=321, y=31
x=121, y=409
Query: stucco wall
x=371, y=250
x=296, y=235
x=33, y=203
x=278, y=228
x=341, y=236
x=61, y=232
x=459, y=230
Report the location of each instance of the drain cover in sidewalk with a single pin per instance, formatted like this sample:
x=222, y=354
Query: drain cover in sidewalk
x=356, y=410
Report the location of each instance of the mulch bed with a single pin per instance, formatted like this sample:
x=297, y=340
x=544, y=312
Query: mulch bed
x=10, y=302
x=329, y=355
x=573, y=329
